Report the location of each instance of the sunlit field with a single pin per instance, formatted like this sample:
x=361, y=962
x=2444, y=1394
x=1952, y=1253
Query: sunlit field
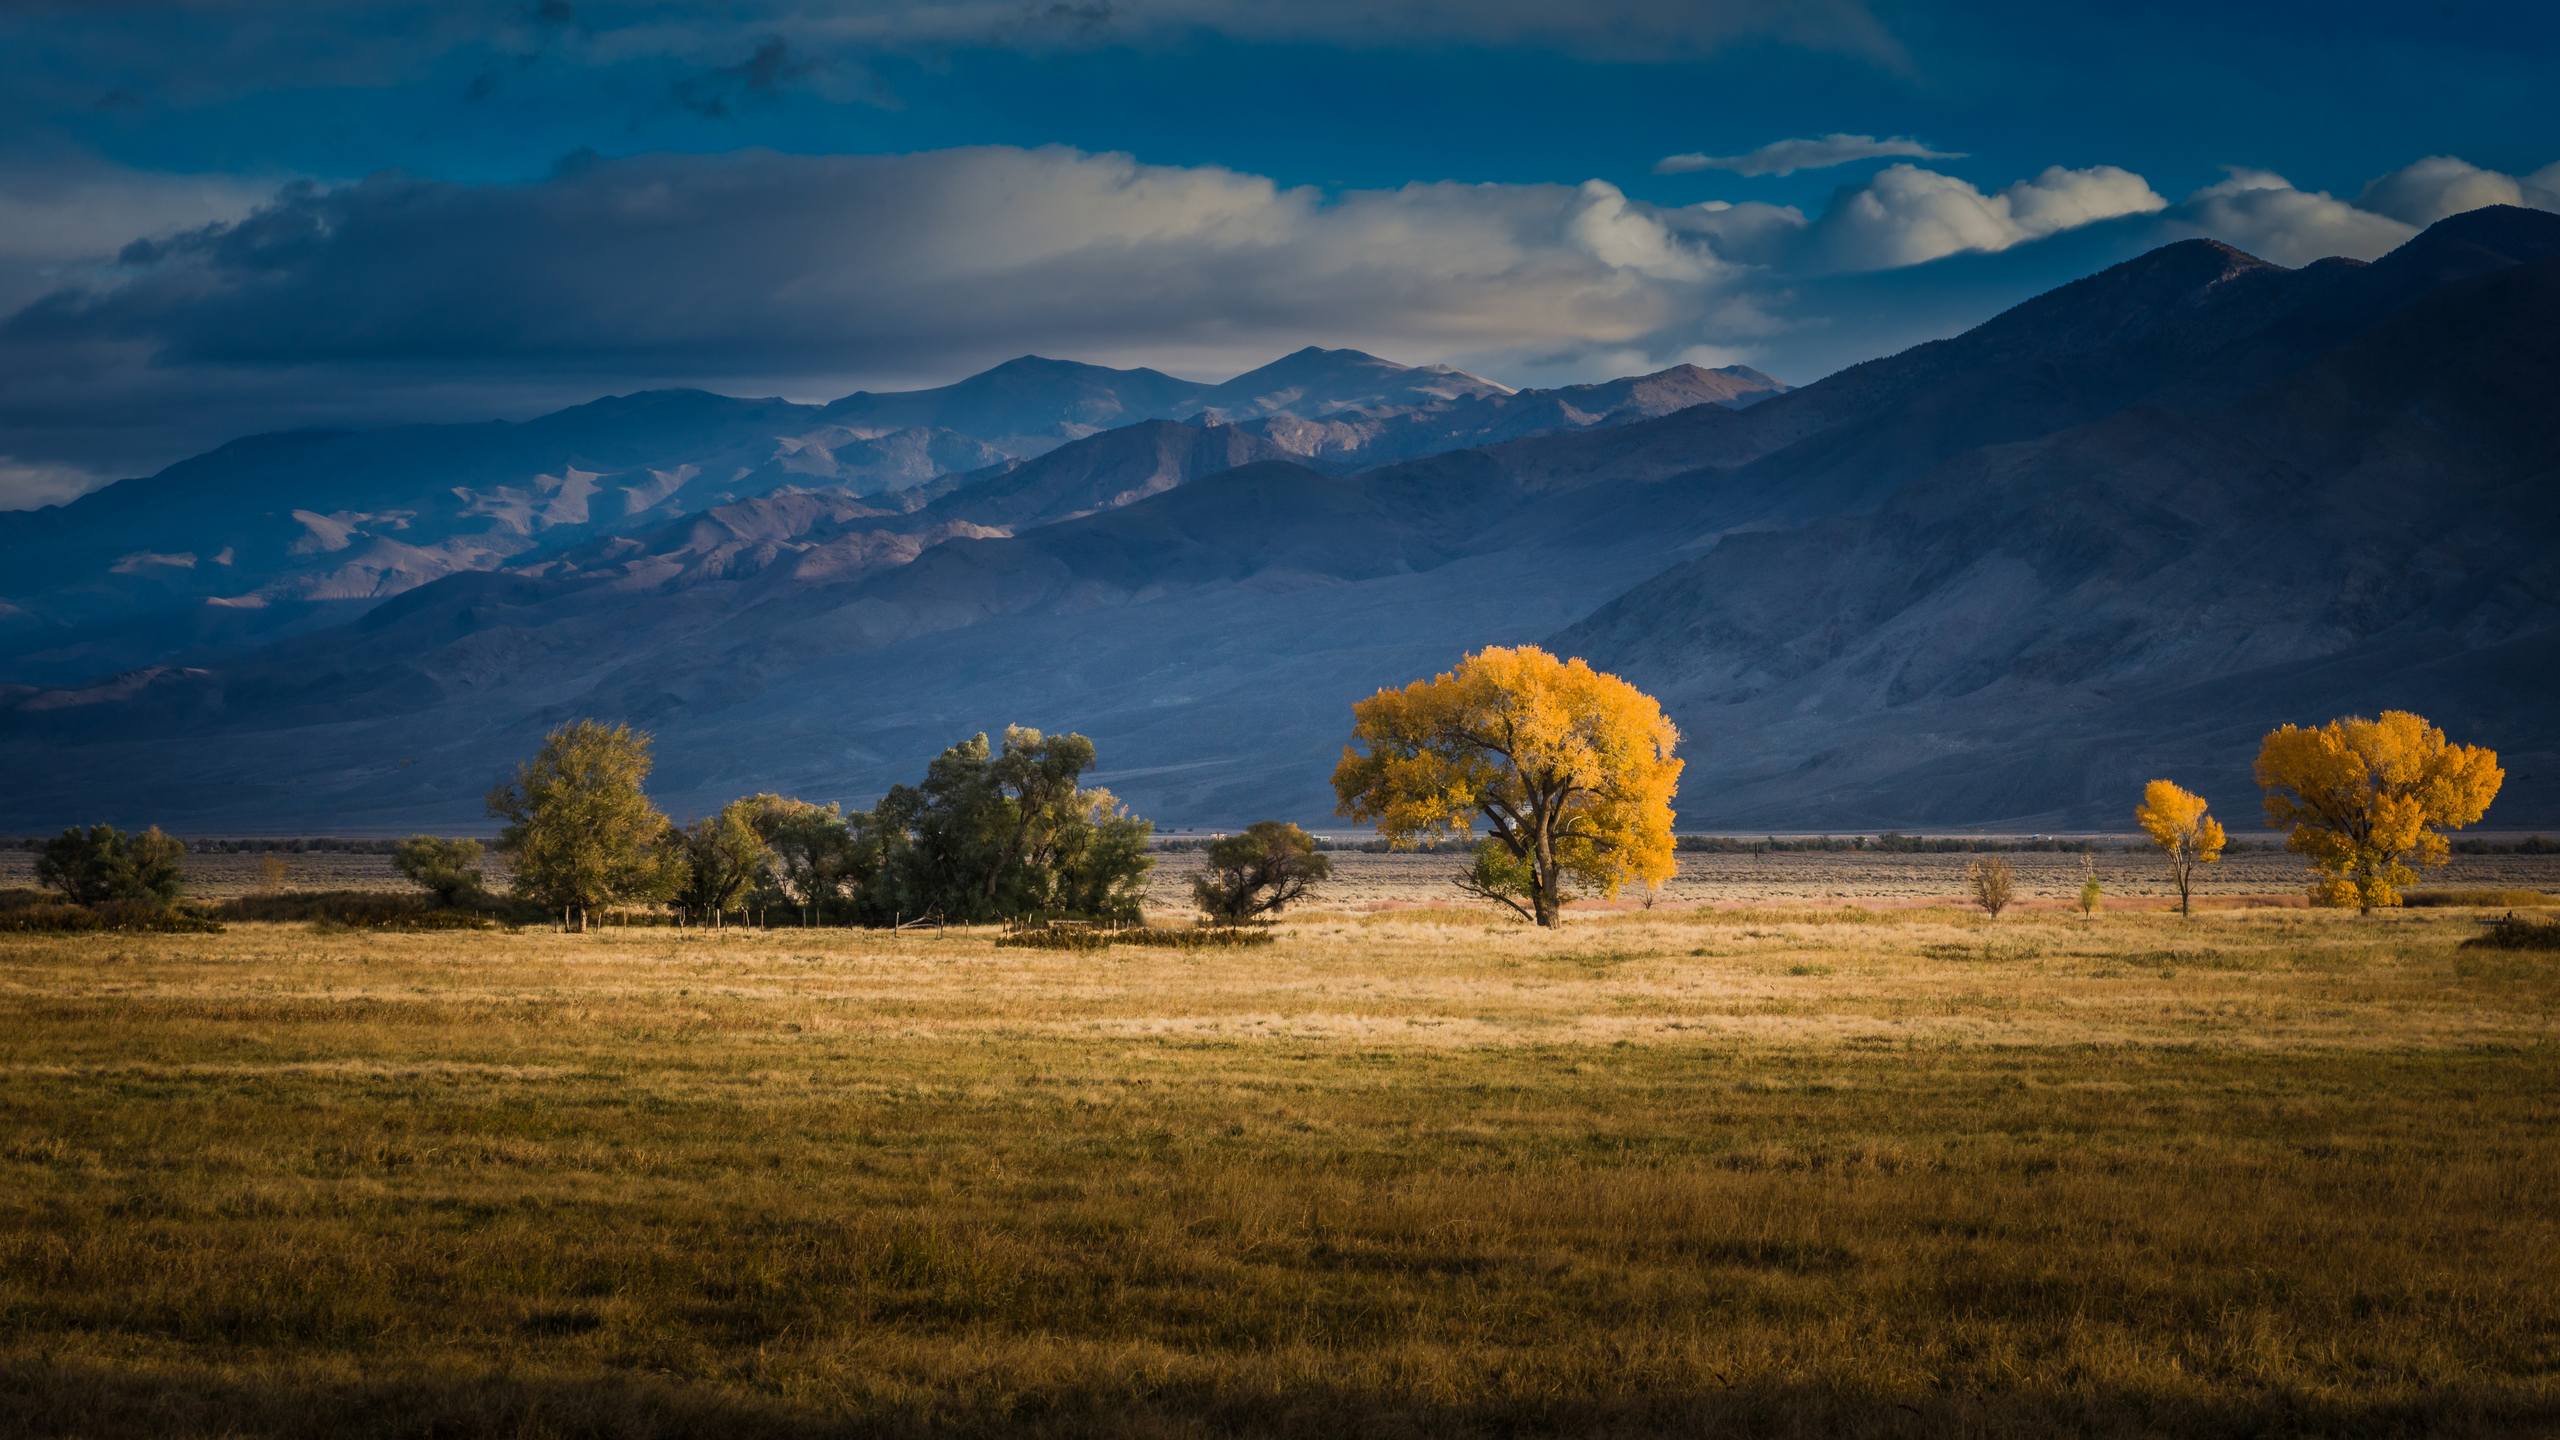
x=1800, y=1170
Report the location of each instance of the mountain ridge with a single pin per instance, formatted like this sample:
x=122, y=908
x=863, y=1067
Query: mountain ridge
x=2117, y=531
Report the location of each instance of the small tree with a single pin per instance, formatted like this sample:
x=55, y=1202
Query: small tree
x=1570, y=770
x=1993, y=884
x=101, y=863
x=2176, y=821
x=2091, y=892
x=274, y=870
x=447, y=869
x=2364, y=799
x=1258, y=871
x=580, y=831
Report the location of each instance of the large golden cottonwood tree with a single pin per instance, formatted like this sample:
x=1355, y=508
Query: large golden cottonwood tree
x=2363, y=799
x=1570, y=770
x=2175, y=819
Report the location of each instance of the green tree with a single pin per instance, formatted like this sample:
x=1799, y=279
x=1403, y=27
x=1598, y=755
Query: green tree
x=991, y=835
x=724, y=858
x=447, y=869
x=1258, y=871
x=813, y=865
x=580, y=830
x=101, y=863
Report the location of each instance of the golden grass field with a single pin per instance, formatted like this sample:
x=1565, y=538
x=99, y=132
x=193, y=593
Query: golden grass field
x=1801, y=1170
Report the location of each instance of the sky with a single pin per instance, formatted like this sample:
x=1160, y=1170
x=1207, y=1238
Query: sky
x=219, y=217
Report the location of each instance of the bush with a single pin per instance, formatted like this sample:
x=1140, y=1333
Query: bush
x=1051, y=939
x=1079, y=938
x=2516, y=935
x=1204, y=938
x=447, y=869
x=1259, y=871
x=354, y=909
x=2480, y=899
x=1993, y=884
x=103, y=863
x=52, y=917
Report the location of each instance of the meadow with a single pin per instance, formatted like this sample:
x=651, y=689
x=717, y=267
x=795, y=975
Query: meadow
x=1803, y=1168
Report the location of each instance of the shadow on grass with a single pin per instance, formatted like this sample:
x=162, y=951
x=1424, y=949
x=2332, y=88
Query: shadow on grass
x=89, y=1399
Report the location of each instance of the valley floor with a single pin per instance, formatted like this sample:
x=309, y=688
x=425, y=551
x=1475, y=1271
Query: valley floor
x=1795, y=1170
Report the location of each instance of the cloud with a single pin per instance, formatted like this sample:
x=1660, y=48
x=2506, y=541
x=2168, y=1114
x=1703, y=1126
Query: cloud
x=2428, y=190
x=1907, y=215
x=26, y=485
x=63, y=210
x=1632, y=30
x=766, y=72
x=397, y=298
x=1786, y=157
x=2264, y=214
x=181, y=52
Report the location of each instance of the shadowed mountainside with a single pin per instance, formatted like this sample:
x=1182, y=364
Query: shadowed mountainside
x=2000, y=579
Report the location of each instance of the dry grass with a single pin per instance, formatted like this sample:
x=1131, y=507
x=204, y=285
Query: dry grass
x=1795, y=1170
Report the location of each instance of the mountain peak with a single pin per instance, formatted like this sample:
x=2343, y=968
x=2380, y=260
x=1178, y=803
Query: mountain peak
x=2492, y=237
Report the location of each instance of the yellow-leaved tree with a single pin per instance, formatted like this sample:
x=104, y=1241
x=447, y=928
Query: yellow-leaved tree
x=2175, y=819
x=1570, y=770
x=2362, y=799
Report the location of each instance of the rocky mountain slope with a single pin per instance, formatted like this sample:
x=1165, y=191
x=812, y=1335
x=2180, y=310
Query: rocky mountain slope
x=283, y=534
x=1999, y=580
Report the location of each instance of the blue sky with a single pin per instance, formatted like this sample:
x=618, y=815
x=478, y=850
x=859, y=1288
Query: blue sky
x=380, y=209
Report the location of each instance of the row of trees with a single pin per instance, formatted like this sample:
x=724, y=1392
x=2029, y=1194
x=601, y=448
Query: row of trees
x=1571, y=773
x=990, y=833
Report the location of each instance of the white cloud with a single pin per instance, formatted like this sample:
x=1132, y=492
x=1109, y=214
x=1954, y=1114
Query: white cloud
x=2263, y=213
x=2542, y=187
x=1907, y=215
x=1786, y=157
x=2426, y=191
x=26, y=485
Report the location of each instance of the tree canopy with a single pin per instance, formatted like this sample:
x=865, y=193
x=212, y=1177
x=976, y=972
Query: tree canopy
x=2175, y=819
x=723, y=858
x=1258, y=871
x=447, y=869
x=99, y=863
x=1571, y=771
x=995, y=834
x=2363, y=800
x=580, y=829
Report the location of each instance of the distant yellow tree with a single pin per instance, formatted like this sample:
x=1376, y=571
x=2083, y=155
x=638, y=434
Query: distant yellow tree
x=2362, y=799
x=2175, y=819
x=1571, y=771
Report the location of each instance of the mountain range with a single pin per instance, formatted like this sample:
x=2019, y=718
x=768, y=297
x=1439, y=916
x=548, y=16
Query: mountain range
x=1996, y=580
